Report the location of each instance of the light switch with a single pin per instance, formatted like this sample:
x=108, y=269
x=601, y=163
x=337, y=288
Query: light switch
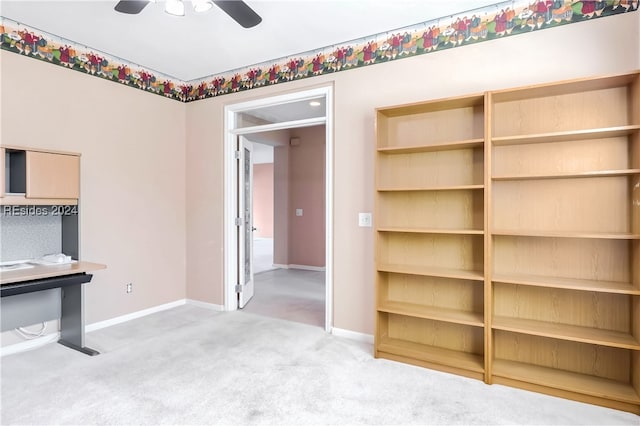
x=298, y=212
x=364, y=220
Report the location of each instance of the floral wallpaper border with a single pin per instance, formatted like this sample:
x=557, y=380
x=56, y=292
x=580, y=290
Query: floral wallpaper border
x=502, y=19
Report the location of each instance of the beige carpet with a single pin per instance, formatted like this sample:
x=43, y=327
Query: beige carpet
x=192, y=366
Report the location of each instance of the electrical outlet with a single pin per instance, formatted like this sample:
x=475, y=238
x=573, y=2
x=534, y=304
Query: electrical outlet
x=129, y=287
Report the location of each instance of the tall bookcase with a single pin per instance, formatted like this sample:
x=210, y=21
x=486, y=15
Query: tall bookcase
x=430, y=234
x=508, y=237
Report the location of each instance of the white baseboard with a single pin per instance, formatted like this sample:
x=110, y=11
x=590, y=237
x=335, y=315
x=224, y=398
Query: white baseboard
x=29, y=344
x=54, y=337
x=212, y=306
x=353, y=335
x=128, y=317
x=304, y=267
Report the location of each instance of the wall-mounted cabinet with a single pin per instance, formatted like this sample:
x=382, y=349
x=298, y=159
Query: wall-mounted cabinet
x=39, y=177
x=546, y=213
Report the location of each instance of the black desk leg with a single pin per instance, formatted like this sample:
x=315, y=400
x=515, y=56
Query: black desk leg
x=72, y=320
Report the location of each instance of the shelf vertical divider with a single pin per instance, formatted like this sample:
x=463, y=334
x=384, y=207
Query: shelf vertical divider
x=488, y=258
x=634, y=155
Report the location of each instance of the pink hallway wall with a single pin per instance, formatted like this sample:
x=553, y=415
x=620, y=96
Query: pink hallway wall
x=307, y=192
x=263, y=200
x=281, y=205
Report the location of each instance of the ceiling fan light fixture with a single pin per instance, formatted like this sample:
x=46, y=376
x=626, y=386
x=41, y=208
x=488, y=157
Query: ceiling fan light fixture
x=201, y=6
x=174, y=7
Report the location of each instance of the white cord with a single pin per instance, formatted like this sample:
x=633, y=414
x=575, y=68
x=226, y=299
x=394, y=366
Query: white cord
x=29, y=335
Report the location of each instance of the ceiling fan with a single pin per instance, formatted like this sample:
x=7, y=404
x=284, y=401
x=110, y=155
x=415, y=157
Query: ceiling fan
x=238, y=10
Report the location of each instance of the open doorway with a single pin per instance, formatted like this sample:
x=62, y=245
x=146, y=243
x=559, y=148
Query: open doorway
x=297, y=284
x=289, y=225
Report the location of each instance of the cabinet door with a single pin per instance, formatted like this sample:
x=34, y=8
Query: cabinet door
x=52, y=175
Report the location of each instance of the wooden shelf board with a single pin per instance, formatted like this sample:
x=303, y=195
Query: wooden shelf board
x=432, y=231
x=443, y=146
x=432, y=354
x=431, y=271
x=566, y=380
x=432, y=188
x=563, y=87
x=432, y=106
x=433, y=313
x=21, y=200
x=606, y=132
x=590, y=174
x=573, y=333
x=568, y=283
x=568, y=234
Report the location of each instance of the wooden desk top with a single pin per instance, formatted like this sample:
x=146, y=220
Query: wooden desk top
x=48, y=271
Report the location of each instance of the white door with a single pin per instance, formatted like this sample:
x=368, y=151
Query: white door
x=245, y=228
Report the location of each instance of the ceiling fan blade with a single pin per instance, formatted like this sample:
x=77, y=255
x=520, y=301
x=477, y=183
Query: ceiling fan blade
x=240, y=12
x=132, y=7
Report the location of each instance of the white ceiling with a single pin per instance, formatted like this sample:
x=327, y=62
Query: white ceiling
x=199, y=45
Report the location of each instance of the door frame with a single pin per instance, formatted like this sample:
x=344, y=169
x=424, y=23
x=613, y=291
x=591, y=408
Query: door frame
x=231, y=190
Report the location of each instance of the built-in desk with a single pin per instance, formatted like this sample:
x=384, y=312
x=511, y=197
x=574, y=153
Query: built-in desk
x=48, y=271
x=69, y=278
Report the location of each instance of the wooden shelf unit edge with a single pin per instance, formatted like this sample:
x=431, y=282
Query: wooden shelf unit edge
x=432, y=354
x=471, y=374
x=561, y=87
x=589, y=335
x=445, y=368
x=488, y=240
x=568, y=234
x=565, y=136
x=567, y=394
x=431, y=231
x=568, y=283
x=454, y=316
x=443, y=146
x=433, y=105
x=432, y=188
x=566, y=381
x=431, y=272
x=590, y=174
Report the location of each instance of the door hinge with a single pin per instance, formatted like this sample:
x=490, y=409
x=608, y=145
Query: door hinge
x=236, y=155
x=238, y=221
x=238, y=288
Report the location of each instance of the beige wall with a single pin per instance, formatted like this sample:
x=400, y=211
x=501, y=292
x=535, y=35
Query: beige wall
x=144, y=212
x=132, y=176
x=603, y=46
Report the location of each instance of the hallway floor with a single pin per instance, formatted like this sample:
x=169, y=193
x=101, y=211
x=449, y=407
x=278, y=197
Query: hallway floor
x=289, y=294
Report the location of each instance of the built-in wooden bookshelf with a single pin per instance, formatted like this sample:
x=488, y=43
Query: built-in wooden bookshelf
x=564, y=228
x=508, y=237
x=430, y=234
